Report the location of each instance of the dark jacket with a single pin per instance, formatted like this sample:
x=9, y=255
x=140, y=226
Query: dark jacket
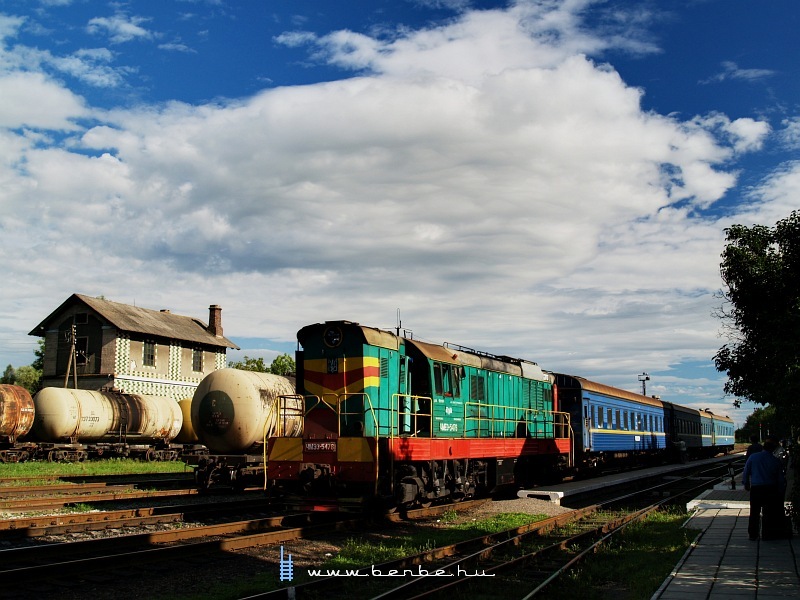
x=763, y=468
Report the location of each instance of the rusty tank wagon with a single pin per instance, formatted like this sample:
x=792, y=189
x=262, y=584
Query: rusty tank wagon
x=16, y=420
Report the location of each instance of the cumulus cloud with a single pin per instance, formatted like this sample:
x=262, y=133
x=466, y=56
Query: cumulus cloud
x=33, y=100
x=487, y=176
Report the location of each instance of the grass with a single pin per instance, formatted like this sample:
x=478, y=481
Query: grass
x=634, y=564
x=108, y=466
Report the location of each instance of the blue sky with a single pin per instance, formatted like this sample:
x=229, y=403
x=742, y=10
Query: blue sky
x=547, y=179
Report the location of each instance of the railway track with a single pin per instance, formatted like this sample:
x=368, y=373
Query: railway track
x=64, y=492
x=59, y=524
x=40, y=501
x=519, y=563
x=46, y=564
x=541, y=548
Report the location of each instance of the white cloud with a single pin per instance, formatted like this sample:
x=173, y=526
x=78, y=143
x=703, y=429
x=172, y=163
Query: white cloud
x=120, y=28
x=790, y=134
x=730, y=70
x=486, y=177
x=89, y=65
x=33, y=100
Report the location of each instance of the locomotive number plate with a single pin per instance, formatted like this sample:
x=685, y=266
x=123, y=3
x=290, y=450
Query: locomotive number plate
x=319, y=446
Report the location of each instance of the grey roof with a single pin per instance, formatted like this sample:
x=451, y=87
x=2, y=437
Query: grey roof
x=134, y=319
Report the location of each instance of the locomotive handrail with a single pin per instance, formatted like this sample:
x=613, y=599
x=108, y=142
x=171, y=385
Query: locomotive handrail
x=346, y=396
x=504, y=425
x=412, y=414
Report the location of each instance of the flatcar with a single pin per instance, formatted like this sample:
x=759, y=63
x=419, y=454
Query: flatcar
x=390, y=417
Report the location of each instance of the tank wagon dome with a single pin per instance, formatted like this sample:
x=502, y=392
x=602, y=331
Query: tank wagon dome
x=187, y=434
x=234, y=410
x=91, y=416
x=16, y=412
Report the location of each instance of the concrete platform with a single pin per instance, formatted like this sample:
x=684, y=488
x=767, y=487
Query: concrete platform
x=556, y=493
x=723, y=563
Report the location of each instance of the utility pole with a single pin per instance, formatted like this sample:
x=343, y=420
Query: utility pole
x=72, y=363
x=644, y=377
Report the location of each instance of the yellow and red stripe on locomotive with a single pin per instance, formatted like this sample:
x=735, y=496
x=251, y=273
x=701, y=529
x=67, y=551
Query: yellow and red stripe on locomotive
x=389, y=416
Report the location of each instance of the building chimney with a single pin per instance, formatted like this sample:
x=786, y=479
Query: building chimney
x=215, y=320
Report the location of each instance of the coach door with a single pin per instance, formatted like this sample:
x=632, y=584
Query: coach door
x=587, y=424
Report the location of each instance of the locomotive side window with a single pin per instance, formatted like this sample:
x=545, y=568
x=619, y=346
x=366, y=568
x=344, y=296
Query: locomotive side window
x=438, y=386
x=610, y=420
x=445, y=380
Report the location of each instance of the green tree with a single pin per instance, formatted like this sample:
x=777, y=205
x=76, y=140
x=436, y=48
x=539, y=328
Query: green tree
x=763, y=422
x=38, y=363
x=250, y=364
x=9, y=375
x=29, y=378
x=283, y=365
x=761, y=273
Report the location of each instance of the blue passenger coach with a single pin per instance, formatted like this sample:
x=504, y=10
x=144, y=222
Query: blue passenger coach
x=611, y=424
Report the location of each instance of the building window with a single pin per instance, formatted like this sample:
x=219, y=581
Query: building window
x=197, y=360
x=149, y=355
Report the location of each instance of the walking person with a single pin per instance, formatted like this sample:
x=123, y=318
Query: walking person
x=754, y=446
x=763, y=477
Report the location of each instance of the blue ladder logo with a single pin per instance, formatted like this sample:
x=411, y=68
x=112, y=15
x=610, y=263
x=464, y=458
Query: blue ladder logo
x=286, y=567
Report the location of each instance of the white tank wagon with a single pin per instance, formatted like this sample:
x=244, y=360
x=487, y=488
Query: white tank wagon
x=233, y=412
x=125, y=424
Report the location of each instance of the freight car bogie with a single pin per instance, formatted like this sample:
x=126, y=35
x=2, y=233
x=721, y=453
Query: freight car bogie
x=228, y=471
x=19, y=452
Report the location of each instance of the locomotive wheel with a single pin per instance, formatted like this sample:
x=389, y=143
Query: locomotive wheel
x=52, y=456
x=151, y=455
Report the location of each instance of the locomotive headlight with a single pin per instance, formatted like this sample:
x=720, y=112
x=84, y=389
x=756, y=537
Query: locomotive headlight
x=332, y=336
